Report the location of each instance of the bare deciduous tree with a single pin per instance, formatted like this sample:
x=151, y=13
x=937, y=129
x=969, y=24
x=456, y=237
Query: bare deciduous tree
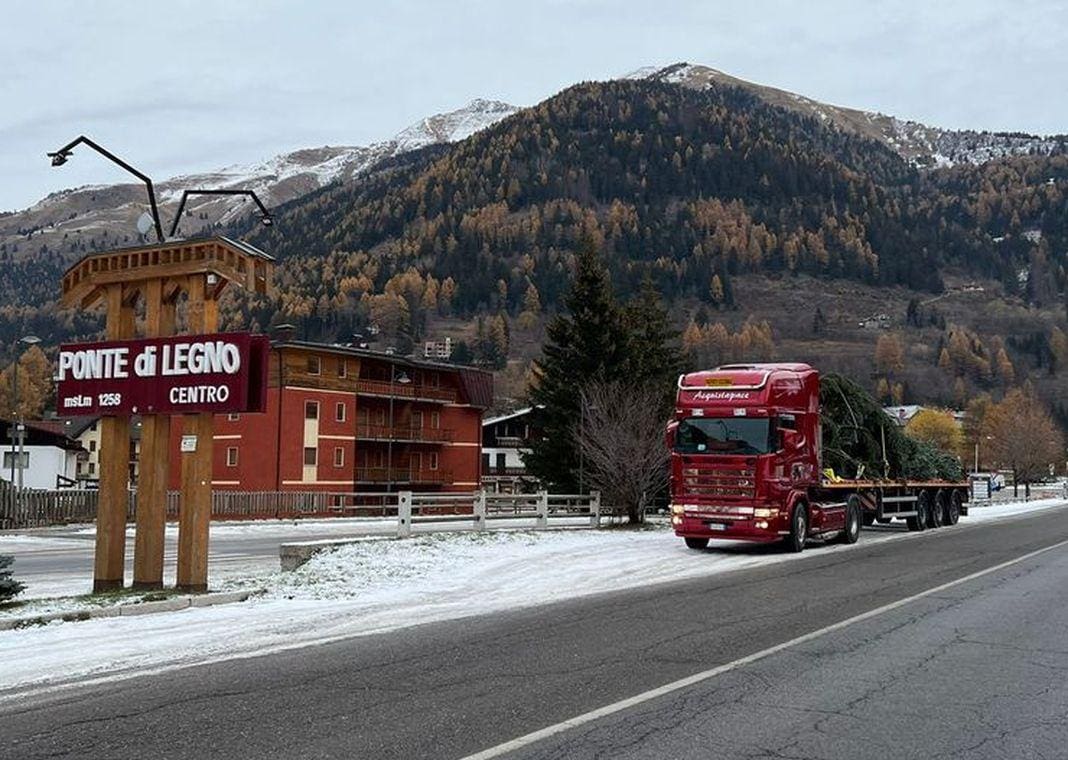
x=1023, y=437
x=620, y=435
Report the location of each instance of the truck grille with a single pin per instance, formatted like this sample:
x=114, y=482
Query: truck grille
x=718, y=480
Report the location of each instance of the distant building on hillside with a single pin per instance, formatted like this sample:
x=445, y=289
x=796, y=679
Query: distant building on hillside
x=903, y=414
x=504, y=439
x=438, y=349
x=876, y=322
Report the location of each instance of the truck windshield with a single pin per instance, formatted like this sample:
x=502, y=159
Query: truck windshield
x=723, y=435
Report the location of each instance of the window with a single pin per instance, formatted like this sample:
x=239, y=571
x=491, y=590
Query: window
x=435, y=420
x=434, y=380
x=433, y=460
x=92, y=446
x=311, y=456
x=311, y=410
x=501, y=461
x=92, y=468
x=231, y=456
x=339, y=412
x=417, y=420
x=11, y=457
x=233, y=417
x=339, y=457
x=342, y=368
x=314, y=365
x=381, y=416
x=485, y=462
x=743, y=436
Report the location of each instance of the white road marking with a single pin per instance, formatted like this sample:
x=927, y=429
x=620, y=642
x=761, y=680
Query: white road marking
x=684, y=683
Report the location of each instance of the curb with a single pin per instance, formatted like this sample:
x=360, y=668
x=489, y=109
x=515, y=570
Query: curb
x=129, y=610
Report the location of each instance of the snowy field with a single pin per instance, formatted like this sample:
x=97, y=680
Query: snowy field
x=379, y=585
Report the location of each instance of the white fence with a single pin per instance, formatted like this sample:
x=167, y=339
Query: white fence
x=41, y=508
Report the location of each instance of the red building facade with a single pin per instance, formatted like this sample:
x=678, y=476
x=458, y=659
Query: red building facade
x=328, y=425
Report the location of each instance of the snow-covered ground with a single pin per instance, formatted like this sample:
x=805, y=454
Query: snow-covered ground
x=378, y=585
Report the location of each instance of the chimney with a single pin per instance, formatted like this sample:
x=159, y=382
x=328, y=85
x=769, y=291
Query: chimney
x=284, y=333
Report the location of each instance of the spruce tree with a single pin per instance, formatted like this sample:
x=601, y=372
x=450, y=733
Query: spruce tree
x=654, y=357
x=589, y=342
x=9, y=587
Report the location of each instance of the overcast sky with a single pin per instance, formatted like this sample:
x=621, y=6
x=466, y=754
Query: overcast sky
x=176, y=87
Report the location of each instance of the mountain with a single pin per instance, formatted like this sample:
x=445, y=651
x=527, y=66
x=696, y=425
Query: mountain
x=740, y=203
x=920, y=144
x=73, y=221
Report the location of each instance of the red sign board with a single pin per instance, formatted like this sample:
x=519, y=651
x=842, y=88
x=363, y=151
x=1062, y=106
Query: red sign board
x=186, y=374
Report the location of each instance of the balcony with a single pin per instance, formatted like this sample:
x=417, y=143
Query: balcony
x=401, y=475
x=505, y=472
x=384, y=389
x=402, y=434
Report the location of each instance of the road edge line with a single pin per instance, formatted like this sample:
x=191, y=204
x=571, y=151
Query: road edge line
x=683, y=683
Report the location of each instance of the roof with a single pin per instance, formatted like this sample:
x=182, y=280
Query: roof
x=72, y=427
x=477, y=384
x=38, y=434
x=246, y=248
x=508, y=416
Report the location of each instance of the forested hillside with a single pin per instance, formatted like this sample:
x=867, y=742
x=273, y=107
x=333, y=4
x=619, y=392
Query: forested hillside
x=701, y=190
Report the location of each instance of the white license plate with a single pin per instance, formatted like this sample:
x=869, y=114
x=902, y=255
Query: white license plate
x=717, y=526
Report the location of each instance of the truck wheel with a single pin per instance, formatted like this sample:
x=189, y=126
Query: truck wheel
x=919, y=521
x=935, y=513
x=953, y=509
x=795, y=542
x=851, y=531
x=696, y=543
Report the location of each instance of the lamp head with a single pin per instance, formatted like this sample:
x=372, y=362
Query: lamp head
x=267, y=220
x=59, y=157
x=30, y=340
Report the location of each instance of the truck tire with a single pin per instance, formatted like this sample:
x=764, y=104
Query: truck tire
x=851, y=530
x=696, y=543
x=953, y=508
x=919, y=521
x=795, y=542
x=936, y=516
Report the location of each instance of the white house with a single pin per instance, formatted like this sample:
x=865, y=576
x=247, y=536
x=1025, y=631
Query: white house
x=49, y=459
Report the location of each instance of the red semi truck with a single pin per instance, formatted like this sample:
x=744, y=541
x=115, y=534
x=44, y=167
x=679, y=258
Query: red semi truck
x=745, y=446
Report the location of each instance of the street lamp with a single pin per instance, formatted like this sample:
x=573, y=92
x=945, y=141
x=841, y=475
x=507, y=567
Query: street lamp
x=19, y=434
x=60, y=157
x=403, y=379
x=582, y=439
x=265, y=216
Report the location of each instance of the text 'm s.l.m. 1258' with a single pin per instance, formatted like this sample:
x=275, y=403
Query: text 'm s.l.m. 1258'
x=187, y=374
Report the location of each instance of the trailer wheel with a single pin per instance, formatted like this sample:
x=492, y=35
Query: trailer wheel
x=696, y=543
x=795, y=542
x=953, y=508
x=851, y=530
x=936, y=516
x=919, y=520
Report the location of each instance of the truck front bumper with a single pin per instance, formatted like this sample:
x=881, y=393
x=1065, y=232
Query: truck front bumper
x=761, y=524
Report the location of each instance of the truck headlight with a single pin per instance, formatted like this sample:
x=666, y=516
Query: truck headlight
x=676, y=509
x=765, y=512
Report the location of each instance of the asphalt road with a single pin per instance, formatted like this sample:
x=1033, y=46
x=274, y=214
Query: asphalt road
x=975, y=670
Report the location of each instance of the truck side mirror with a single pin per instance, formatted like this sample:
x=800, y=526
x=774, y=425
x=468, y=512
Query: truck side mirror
x=669, y=434
x=791, y=439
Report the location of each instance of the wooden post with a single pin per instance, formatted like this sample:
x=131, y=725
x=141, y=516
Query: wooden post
x=155, y=459
x=194, y=516
x=109, y=564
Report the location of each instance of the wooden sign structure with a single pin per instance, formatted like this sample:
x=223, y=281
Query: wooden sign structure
x=158, y=275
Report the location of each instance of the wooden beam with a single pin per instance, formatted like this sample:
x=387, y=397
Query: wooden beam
x=110, y=559
x=194, y=518
x=155, y=459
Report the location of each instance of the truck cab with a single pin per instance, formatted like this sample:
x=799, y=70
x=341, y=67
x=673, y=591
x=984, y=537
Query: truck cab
x=745, y=450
